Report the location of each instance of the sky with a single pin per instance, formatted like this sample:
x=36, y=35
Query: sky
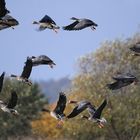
x=115, y=19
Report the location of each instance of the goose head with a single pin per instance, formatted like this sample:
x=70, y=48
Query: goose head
x=35, y=22
x=72, y=102
x=74, y=18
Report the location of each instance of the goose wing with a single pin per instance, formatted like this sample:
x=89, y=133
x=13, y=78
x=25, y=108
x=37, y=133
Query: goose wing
x=42, y=59
x=3, y=9
x=61, y=103
x=2, y=26
x=116, y=85
x=47, y=19
x=27, y=68
x=13, y=101
x=79, y=25
x=126, y=77
x=83, y=24
x=91, y=110
x=1, y=80
x=78, y=109
x=70, y=26
x=99, y=110
x=8, y=21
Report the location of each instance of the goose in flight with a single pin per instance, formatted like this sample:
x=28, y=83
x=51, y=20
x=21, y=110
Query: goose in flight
x=122, y=81
x=80, y=24
x=25, y=73
x=8, y=21
x=136, y=49
x=3, y=9
x=42, y=60
x=58, y=112
x=79, y=108
x=95, y=114
x=9, y=107
x=46, y=22
x=1, y=80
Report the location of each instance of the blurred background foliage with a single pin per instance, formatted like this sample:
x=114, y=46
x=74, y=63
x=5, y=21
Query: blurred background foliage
x=95, y=70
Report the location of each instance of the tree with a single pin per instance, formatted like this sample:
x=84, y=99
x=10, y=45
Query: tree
x=30, y=102
x=122, y=112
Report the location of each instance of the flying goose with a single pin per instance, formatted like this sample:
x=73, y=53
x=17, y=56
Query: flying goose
x=3, y=9
x=1, y=80
x=122, y=81
x=58, y=112
x=80, y=24
x=47, y=22
x=136, y=49
x=80, y=107
x=42, y=60
x=95, y=114
x=8, y=21
x=26, y=72
x=9, y=107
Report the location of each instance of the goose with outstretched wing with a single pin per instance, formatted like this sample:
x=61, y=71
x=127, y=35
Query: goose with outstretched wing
x=8, y=22
x=9, y=107
x=58, y=112
x=47, y=22
x=122, y=80
x=95, y=114
x=80, y=24
x=79, y=108
x=25, y=73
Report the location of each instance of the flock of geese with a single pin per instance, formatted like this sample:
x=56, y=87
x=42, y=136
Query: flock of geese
x=94, y=113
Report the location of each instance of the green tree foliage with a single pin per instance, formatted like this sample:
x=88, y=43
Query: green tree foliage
x=30, y=102
x=123, y=109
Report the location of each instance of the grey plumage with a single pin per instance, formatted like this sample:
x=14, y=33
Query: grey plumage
x=46, y=22
x=80, y=24
x=122, y=81
x=42, y=60
x=25, y=73
x=58, y=112
x=9, y=107
x=96, y=113
x=7, y=22
x=79, y=108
